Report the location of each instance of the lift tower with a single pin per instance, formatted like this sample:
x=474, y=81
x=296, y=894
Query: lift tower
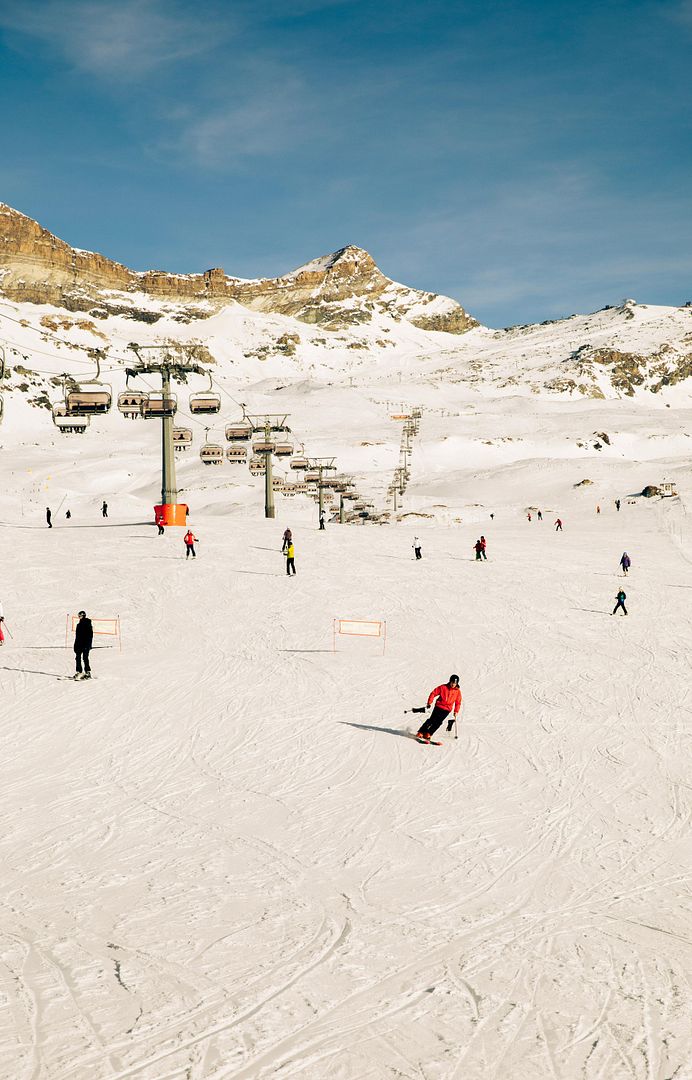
x=171, y=369
x=319, y=466
x=267, y=425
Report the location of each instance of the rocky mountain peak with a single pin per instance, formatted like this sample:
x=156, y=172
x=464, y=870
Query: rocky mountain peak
x=334, y=290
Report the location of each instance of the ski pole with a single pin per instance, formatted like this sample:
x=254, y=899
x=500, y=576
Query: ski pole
x=7, y=628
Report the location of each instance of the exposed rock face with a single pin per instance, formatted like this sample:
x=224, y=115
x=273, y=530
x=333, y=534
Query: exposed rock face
x=334, y=291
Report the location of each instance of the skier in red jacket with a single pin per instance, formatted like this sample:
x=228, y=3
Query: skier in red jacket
x=449, y=698
x=190, y=541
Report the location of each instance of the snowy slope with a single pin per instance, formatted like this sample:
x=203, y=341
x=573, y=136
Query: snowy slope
x=223, y=858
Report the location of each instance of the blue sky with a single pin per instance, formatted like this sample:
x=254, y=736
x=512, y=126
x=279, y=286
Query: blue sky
x=530, y=159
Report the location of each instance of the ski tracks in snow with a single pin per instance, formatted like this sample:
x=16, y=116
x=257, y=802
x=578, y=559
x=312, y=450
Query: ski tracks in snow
x=220, y=860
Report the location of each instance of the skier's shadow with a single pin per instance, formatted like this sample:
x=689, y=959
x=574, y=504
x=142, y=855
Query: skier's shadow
x=30, y=671
x=373, y=727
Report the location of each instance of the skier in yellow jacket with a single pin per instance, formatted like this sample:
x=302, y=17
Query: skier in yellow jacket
x=290, y=553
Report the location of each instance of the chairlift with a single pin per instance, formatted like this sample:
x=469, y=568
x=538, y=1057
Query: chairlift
x=90, y=397
x=182, y=438
x=211, y=454
x=159, y=406
x=240, y=432
x=68, y=425
x=283, y=449
x=236, y=455
x=301, y=488
x=278, y=428
x=263, y=446
x=206, y=403
x=131, y=403
x=312, y=477
x=299, y=462
x=256, y=465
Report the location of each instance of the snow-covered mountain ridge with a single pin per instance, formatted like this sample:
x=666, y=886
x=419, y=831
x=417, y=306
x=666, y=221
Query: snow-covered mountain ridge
x=336, y=315
x=337, y=290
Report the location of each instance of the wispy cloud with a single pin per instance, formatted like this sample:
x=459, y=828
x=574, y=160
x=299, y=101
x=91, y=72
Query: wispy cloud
x=116, y=41
x=268, y=110
x=682, y=12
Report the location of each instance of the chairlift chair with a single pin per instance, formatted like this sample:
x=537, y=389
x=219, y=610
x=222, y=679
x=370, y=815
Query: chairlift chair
x=82, y=402
x=131, y=403
x=206, y=403
x=236, y=455
x=283, y=449
x=68, y=425
x=211, y=454
x=240, y=432
x=182, y=438
x=158, y=406
x=263, y=446
x=256, y=465
x=90, y=397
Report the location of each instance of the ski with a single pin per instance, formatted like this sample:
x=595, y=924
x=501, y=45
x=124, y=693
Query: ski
x=427, y=742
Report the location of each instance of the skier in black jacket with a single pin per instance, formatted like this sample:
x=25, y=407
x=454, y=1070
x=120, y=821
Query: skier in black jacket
x=83, y=637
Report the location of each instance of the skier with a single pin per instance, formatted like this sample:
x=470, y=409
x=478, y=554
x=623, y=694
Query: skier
x=83, y=638
x=68, y=514
x=190, y=541
x=288, y=536
x=104, y=508
x=625, y=562
x=449, y=697
x=492, y=517
x=2, y=619
x=48, y=516
x=290, y=564
x=621, y=597
x=598, y=509
x=483, y=545
x=416, y=548
x=558, y=525
x=478, y=548
x=528, y=516
x=322, y=519
x=540, y=516
x=617, y=505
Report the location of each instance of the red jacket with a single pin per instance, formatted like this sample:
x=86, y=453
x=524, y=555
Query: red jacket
x=189, y=538
x=450, y=697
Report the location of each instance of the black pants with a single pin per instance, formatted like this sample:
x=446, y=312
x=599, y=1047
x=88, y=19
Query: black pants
x=418, y=554
x=321, y=524
x=290, y=565
x=437, y=716
x=620, y=604
x=160, y=529
x=189, y=549
x=483, y=553
x=78, y=655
